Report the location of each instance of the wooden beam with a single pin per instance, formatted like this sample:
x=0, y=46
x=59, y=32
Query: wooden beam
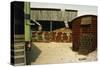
x=27, y=21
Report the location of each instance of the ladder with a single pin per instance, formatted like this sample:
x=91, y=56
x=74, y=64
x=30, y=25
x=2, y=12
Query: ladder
x=18, y=51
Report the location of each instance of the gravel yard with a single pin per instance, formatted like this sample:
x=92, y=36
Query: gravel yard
x=60, y=53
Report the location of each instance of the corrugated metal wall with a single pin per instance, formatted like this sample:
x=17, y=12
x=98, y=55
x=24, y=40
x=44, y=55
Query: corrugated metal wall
x=52, y=14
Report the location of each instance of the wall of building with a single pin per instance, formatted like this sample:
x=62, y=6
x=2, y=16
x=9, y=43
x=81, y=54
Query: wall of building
x=82, y=9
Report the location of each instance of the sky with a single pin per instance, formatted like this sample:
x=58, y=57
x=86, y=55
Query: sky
x=82, y=9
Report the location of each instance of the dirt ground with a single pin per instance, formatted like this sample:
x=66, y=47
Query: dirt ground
x=60, y=53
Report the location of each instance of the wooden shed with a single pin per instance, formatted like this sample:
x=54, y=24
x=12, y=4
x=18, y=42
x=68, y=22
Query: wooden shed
x=84, y=33
x=52, y=14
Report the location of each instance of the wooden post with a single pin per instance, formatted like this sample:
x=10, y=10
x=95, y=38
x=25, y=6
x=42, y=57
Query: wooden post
x=27, y=32
x=27, y=21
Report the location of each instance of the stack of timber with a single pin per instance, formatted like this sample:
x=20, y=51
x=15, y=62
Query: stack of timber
x=18, y=51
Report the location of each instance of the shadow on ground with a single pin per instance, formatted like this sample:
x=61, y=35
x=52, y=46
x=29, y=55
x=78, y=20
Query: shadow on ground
x=35, y=51
x=32, y=54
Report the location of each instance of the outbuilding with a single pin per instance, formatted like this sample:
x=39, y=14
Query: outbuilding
x=84, y=33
